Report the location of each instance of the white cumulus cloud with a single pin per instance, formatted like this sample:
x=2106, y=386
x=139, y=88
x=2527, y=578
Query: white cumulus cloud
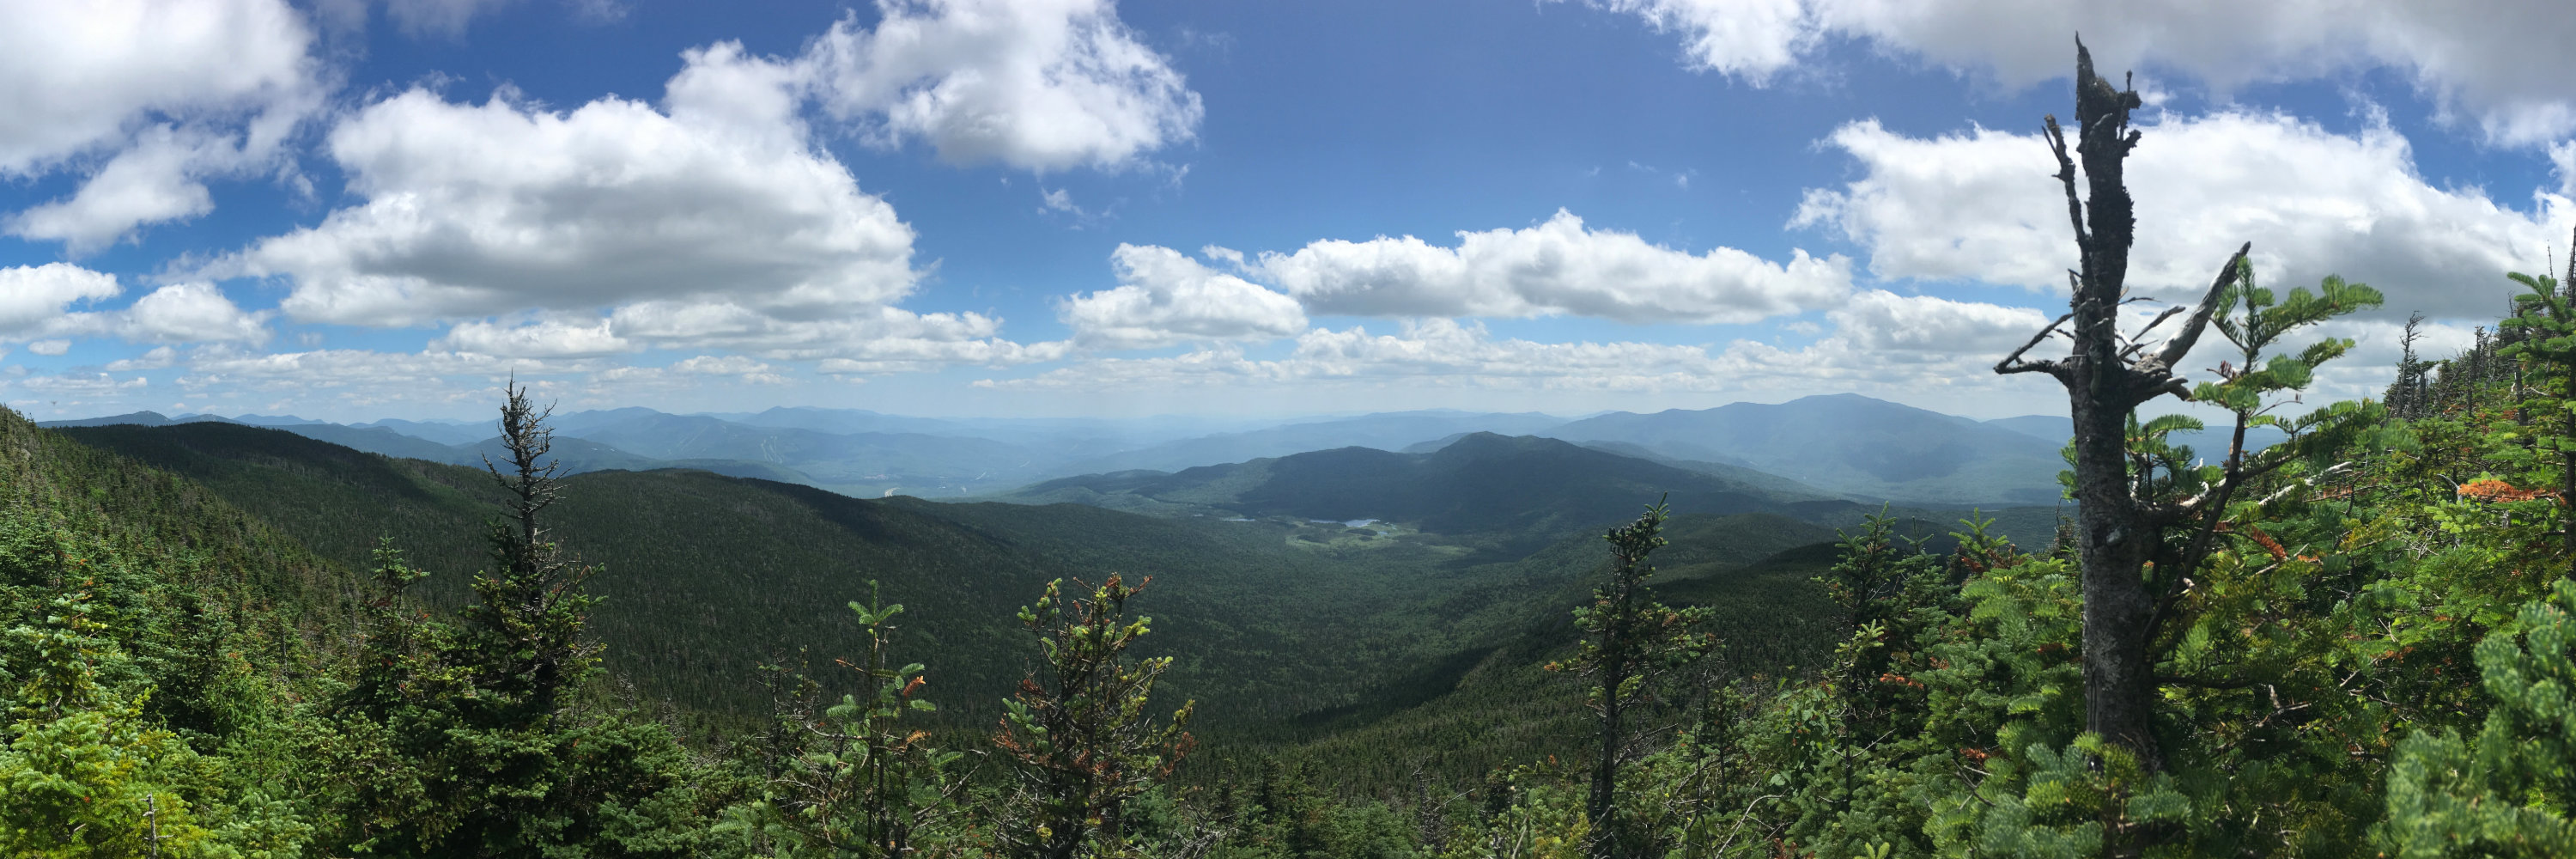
x=1164, y=298
x=1751, y=39
x=474, y=210
x=38, y=300
x=544, y=338
x=35, y=297
x=711, y=220
x=2500, y=64
x=149, y=97
x=195, y=312
x=1885, y=324
x=1037, y=84
x=1983, y=206
x=1557, y=267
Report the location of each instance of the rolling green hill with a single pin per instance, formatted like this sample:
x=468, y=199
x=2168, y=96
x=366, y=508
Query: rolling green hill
x=1846, y=443
x=1494, y=704
x=1283, y=631
x=707, y=575
x=1385, y=655
x=1525, y=488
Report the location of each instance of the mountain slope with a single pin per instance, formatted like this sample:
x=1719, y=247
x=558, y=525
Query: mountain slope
x=916, y=463
x=1389, y=431
x=1497, y=705
x=1480, y=484
x=1849, y=444
x=205, y=539
x=2209, y=442
x=707, y=575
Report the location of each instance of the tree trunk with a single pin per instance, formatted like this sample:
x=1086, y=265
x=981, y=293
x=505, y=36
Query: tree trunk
x=1605, y=784
x=2119, y=685
x=1602, y=803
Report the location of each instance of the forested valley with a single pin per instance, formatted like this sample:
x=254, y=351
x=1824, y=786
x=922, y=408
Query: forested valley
x=227, y=641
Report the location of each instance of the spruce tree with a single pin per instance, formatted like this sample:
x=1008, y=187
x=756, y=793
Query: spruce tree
x=532, y=609
x=465, y=738
x=1631, y=643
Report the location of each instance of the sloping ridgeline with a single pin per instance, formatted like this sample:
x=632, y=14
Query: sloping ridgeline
x=1505, y=495
x=707, y=575
x=1493, y=704
x=1870, y=449
x=1482, y=483
x=125, y=588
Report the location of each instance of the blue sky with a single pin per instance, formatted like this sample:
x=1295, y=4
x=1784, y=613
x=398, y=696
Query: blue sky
x=348, y=210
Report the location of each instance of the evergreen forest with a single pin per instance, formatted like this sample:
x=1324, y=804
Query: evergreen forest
x=2358, y=639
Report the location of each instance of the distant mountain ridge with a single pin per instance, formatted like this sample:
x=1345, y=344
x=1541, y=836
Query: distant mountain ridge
x=1846, y=443
x=2210, y=442
x=1386, y=431
x=867, y=454
x=707, y=575
x=1828, y=446
x=1483, y=483
x=575, y=454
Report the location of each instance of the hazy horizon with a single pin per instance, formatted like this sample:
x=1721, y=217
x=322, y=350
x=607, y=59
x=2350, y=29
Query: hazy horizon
x=362, y=417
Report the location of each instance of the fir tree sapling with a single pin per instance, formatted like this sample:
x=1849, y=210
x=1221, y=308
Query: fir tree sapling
x=2547, y=349
x=2508, y=790
x=1077, y=732
x=857, y=780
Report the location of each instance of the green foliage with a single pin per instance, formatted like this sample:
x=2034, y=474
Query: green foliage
x=2507, y=791
x=1630, y=644
x=182, y=680
x=855, y=779
x=531, y=609
x=1077, y=734
x=465, y=728
x=144, y=703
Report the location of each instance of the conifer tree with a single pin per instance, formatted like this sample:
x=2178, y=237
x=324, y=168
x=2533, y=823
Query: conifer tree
x=1077, y=731
x=2132, y=489
x=532, y=606
x=2546, y=352
x=2508, y=790
x=1631, y=642
x=2410, y=396
x=467, y=740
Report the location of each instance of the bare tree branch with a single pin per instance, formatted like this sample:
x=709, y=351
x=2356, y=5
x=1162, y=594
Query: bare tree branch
x=2138, y=340
x=2013, y=364
x=2181, y=344
x=2066, y=177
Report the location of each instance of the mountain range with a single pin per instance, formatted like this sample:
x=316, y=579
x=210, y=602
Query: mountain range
x=706, y=574
x=1339, y=597
x=1839, y=446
